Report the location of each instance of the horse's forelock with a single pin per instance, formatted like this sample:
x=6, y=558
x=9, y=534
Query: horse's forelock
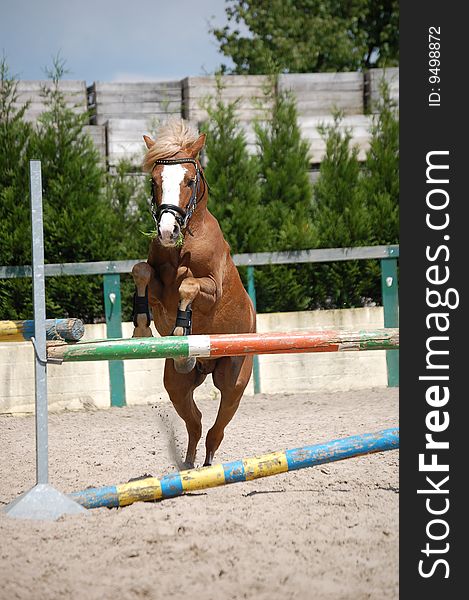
x=173, y=136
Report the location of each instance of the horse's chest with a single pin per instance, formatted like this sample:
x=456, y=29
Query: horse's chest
x=172, y=275
x=168, y=274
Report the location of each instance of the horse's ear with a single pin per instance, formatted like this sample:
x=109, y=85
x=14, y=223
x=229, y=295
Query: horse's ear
x=197, y=146
x=148, y=141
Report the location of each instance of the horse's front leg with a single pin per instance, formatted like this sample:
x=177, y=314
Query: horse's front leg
x=144, y=278
x=204, y=289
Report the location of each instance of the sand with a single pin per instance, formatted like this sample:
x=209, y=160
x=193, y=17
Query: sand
x=328, y=532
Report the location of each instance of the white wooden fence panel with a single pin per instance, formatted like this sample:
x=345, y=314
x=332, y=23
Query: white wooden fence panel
x=374, y=77
x=98, y=135
x=125, y=139
x=321, y=93
x=32, y=91
x=134, y=100
x=123, y=111
x=359, y=126
x=248, y=90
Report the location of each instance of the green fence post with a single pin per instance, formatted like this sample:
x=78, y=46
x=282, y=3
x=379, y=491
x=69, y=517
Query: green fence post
x=112, y=307
x=389, y=288
x=255, y=367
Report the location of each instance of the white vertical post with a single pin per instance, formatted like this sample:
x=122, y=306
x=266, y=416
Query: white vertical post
x=42, y=502
x=39, y=340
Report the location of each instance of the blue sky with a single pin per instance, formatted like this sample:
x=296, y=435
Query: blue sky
x=111, y=40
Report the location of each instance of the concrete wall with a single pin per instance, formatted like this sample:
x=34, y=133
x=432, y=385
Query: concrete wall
x=74, y=386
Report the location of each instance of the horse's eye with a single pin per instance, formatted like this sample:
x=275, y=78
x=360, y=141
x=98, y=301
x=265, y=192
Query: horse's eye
x=190, y=183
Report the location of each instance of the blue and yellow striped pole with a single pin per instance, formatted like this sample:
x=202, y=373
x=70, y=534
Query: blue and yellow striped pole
x=70, y=330
x=246, y=469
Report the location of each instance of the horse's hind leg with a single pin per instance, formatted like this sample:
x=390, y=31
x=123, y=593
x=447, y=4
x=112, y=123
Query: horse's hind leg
x=231, y=376
x=142, y=274
x=180, y=388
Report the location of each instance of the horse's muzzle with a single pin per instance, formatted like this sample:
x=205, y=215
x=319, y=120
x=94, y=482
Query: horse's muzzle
x=169, y=232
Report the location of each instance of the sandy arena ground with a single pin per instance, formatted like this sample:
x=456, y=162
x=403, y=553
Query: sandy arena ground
x=329, y=532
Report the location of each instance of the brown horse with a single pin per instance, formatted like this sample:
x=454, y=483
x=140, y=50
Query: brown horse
x=191, y=282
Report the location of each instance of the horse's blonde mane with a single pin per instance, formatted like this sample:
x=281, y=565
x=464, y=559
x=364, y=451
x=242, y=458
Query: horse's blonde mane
x=171, y=137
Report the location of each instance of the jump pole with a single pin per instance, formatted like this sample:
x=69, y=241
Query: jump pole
x=42, y=501
x=246, y=469
x=70, y=330
x=226, y=345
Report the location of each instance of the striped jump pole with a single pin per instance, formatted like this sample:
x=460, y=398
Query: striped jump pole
x=226, y=345
x=246, y=469
x=56, y=329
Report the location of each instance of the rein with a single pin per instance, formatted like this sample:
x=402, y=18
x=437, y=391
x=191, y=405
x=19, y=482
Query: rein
x=181, y=215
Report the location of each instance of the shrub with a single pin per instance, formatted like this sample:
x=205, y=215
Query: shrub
x=286, y=195
x=233, y=176
x=341, y=219
x=15, y=227
x=88, y=215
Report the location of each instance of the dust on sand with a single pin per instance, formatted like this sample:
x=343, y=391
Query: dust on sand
x=328, y=532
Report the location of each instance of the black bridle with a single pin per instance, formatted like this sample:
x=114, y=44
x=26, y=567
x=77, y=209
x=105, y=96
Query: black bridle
x=181, y=215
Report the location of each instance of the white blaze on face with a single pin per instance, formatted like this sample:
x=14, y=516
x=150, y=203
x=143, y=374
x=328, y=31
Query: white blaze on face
x=172, y=176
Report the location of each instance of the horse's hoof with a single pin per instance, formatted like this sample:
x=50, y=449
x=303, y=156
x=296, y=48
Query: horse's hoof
x=184, y=365
x=140, y=332
x=208, y=460
x=187, y=465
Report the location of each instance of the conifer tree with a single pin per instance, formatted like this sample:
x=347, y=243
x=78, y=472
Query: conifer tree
x=286, y=195
x=81, y=221
x=88, y=214
x=128, y=196
x=285, y=185
x=15, y=228
x=341, y=219
x=380, y=184
x=232, y=174
x=79, y=225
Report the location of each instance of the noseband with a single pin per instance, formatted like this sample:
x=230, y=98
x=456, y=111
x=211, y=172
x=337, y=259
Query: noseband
x=181, y=215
